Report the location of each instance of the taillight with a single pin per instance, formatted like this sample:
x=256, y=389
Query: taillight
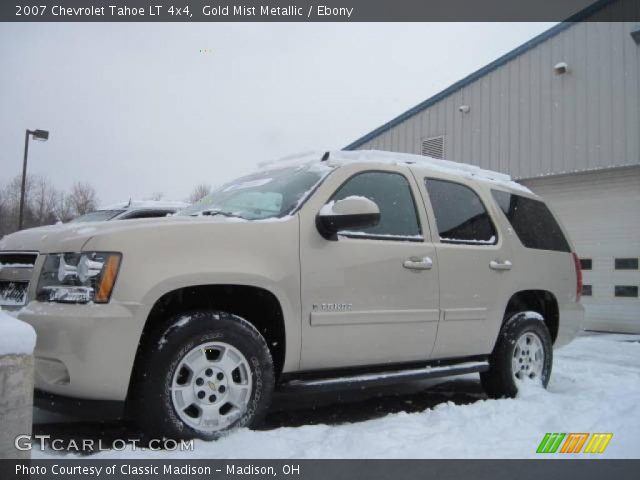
x=576, y=262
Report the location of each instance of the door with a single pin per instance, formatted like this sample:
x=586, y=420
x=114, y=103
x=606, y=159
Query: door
x=371, y=296
x=474, y=267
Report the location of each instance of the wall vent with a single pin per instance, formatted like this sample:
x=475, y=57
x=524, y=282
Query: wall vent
x=433, y=147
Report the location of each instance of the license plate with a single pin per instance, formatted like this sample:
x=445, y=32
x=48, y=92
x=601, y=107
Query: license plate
x=13, y=294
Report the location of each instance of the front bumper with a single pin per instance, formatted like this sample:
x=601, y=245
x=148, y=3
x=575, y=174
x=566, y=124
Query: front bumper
x=79, y=408
x=85, y=351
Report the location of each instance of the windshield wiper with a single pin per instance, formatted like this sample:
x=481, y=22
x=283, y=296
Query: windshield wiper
x=215, y=211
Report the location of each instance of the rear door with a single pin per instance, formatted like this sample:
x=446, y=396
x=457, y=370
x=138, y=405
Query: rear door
x=475, y=265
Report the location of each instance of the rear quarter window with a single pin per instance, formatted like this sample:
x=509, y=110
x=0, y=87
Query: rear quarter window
x=532, y=221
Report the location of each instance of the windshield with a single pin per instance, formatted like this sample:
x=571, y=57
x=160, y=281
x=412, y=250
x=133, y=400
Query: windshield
x=97, y=216
x=269, y=194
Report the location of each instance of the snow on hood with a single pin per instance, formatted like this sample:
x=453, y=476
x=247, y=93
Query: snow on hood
x=67, y=237
x=71, y=237
x=134, y=204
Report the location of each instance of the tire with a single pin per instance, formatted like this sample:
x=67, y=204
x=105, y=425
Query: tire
x=204, y=374
x=523, y=351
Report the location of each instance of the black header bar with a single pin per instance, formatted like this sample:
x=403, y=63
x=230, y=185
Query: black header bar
x=318, y=10
x=582, y=469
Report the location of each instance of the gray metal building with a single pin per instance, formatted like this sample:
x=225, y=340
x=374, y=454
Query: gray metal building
x=561, y=114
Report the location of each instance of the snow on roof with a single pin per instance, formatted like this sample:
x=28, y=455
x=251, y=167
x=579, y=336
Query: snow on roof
x=130, y=204
x=341, y=157
x=294, y=160
x=444, y=166
x=16, y=337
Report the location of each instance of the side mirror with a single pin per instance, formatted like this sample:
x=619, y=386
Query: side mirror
x=347, y=214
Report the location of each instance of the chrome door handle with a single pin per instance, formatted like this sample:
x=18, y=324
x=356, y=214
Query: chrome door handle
x=417, y=263
x=496, y=265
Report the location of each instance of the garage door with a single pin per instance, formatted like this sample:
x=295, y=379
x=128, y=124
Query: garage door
x=601, y=211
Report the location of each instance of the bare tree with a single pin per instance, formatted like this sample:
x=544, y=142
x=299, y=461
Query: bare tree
x=199, y=192
x=63, y=208
x=4, y=213
x=44, y=204
x=83, y=198
x=42, y=201
x=11, y=194
x=3, y=200
x=156, y=196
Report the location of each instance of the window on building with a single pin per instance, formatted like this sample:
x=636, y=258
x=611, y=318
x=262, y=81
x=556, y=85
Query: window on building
x=392, y=193
x=533, y=222
x=626, y=263
x=460, y=214
x=587, y=290
x=586, y=263
x=629, y=291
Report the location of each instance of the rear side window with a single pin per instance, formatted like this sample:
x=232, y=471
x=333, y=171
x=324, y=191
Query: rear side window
x=392, y=193
x=460, y=214
x=532, y=221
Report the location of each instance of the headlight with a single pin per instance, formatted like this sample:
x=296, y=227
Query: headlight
x=78, y=277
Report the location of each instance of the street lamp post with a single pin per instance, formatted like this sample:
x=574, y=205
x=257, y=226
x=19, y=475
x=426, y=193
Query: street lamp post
x=40, y=135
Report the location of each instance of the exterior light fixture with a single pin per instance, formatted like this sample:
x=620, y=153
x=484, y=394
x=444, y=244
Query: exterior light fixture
x=561, y=68
x=41, y=136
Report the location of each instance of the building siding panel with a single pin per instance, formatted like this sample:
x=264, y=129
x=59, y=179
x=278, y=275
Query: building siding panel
x=529, y=122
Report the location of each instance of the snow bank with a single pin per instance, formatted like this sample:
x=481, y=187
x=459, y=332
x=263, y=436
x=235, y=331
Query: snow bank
x=595, y=387
x=16, y=337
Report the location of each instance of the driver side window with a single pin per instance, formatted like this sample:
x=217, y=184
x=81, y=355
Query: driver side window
x=392, y=193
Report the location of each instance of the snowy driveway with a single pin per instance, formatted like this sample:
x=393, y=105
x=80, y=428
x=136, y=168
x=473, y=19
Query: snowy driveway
x=595, y=387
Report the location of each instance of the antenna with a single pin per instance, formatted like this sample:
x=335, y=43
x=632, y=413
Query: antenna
x=325, y=157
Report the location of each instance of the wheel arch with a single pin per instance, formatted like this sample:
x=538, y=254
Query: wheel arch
x=541, y=301
x=257, y=305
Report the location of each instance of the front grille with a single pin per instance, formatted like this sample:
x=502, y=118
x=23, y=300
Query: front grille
x=13, y=294
x=17, y=259
x=16, y=271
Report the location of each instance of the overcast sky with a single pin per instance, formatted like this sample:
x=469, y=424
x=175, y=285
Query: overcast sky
x=141, y=108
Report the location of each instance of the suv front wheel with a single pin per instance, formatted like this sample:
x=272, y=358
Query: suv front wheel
x=208, y=372
x=524, y=352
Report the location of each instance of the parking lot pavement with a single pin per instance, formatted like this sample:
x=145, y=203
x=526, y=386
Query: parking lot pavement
x=290, y=410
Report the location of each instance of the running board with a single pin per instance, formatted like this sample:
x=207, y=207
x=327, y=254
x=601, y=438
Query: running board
x=385, y=377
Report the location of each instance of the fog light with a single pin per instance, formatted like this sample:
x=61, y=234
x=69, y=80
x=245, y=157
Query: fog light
x=63, y=294
x=51, y=371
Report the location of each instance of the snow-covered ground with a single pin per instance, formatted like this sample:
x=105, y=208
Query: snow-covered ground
x=595, y=387
x=16, y=337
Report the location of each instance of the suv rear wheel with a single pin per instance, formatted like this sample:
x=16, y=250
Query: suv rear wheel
x=524, y=352
x=207, y=373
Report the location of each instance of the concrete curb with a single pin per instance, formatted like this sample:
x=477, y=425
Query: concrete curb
x=16, y=403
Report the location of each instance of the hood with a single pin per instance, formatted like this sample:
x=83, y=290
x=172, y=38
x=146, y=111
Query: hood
x=71, y=237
